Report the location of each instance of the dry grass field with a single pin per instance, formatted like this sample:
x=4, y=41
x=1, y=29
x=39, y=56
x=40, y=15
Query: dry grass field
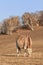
x=8, y=48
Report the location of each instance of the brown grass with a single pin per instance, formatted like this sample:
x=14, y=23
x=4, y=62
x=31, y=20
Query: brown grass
x=8, y=48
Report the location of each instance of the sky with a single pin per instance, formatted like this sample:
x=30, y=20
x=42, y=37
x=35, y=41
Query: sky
x=18, y=7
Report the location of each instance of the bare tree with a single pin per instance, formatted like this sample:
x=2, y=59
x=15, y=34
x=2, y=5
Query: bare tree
x=10, y=24
x=40, y=19
x=27, y=19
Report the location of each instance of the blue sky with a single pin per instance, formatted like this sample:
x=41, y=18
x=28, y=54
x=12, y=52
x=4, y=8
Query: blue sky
x=18, y=7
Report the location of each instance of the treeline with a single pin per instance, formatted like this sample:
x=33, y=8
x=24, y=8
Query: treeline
x=12, y=23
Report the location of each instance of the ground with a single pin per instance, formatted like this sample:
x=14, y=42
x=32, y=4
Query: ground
x=8, y=48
